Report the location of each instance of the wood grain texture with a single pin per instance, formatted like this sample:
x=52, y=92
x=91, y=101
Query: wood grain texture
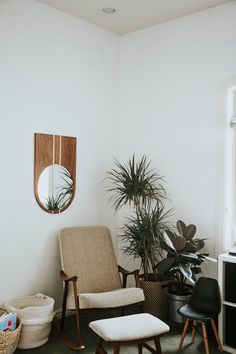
x=54, y=149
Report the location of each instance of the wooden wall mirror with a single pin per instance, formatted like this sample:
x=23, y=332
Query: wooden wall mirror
x=54, y=171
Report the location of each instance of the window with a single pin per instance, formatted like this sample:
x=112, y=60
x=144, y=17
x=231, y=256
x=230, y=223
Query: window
x=229, y=238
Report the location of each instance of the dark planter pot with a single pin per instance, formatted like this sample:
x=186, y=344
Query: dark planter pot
x=175, y=301
x=155, y=298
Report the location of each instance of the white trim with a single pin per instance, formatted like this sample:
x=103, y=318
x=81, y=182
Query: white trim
x=60, y=148
x=233, y=121
x=224, y=258
x=227, y=240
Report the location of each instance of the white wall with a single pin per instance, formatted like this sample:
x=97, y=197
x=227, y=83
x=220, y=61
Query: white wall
x=172, y=85
x=60, y=75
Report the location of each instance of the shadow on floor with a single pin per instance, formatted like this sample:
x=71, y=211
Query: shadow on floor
x=169, y=343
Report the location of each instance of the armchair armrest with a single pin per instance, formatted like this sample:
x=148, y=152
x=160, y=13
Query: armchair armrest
x=125, y=273
x=67, y=279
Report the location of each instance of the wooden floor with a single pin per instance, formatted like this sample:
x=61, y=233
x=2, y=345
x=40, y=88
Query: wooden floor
x=169, y=342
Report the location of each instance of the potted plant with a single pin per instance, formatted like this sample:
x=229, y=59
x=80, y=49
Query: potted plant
x=142, y=236
x=181, y=265
x=139, y=186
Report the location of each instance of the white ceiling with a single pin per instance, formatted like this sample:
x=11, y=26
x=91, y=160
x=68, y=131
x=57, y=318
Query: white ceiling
x=131, y=15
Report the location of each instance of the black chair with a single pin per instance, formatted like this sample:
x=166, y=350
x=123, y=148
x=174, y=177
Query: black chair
x=204, y=305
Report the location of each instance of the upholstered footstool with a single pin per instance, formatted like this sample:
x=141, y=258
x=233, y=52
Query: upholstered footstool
x=128, y=330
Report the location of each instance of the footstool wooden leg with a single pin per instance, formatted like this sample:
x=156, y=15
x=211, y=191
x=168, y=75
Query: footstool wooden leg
x=157, y=345
x=99, y=348
x=116, y=349
x=140, y=349
x=183, y=334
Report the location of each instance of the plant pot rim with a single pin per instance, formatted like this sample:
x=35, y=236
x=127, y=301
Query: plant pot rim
x=187, y=290
x=151, y=278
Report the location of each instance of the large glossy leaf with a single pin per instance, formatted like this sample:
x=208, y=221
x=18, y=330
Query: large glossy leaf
x=196, y=270
x=189, y=255
x=167, y=240
x=208, y=258
x=171, y=235
x=165, y=265
x=199, y=243
x=181, y=227
x=189, y=247
x=194, y=277
x=179, y=243
x=190, y=232
x=186, y=271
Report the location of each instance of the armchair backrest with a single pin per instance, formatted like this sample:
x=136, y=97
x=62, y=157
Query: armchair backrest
x=88, y=253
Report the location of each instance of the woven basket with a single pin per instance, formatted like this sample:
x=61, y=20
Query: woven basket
x=155, y=298
x=9, y=340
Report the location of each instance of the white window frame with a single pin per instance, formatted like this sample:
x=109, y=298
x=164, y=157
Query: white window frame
x=229, y=235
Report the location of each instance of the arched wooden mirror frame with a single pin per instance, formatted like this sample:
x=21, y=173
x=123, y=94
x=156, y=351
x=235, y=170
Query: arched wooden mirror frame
x=51, y=150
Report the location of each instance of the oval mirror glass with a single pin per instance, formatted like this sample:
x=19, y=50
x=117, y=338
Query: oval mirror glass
x=55, y=188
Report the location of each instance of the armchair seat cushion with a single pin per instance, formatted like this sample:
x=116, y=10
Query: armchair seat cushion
x=109, y=299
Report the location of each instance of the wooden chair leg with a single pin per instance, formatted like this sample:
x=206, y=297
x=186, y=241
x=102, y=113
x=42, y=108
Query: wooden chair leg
x=186, y=325
x=216, y=335
x=194, y=330
x=116, y=349
x=77, y=313
x=63, y=313
x=59, y=324
x=205, y=337
x=73, y=345
x=140, y=349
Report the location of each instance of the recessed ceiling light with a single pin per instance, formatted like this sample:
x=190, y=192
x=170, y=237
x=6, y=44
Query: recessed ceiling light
x=109, y=10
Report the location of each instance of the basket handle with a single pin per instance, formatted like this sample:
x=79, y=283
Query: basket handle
x=2, y=309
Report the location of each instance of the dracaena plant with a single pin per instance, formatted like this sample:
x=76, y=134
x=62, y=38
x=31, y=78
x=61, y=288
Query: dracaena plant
x=184, y=259
x=138, y=185
x=62, y=194
x=142, y=235
x=135, y=183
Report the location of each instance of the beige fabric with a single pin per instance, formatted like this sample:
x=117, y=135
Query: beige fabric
x=125, y=328
x=88, y=253
x=111, y=299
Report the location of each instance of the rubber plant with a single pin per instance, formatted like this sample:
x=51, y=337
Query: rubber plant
x=184, y=259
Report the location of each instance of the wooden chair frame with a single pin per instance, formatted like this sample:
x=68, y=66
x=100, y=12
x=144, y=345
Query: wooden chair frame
x=204, y=331
x=59, y=324
x=140, y=342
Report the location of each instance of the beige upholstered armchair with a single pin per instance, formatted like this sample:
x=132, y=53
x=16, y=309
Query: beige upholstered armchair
x=91, y=275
